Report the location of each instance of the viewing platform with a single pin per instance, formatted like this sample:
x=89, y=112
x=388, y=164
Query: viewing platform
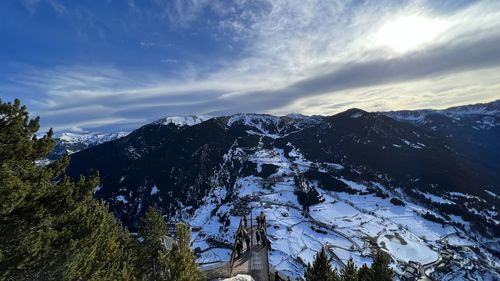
x=253, y=260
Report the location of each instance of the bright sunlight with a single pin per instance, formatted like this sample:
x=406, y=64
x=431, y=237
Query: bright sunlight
x=409, y=32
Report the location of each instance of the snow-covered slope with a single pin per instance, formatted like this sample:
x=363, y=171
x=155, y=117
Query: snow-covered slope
x=88, y=138
x=491, y=109
x=480, y=116
x=68, y=143
x=355, y=222
x=272, y=126
x=188, y=120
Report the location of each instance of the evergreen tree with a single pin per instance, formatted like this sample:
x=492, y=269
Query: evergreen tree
x=364, y=273
x=320, y=270
x=380, y=270
x=350, y=272
x=50, y=227
x=154, y=262
x=182, y=260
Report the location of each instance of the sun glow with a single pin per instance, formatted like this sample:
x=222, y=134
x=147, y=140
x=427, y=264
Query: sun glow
x=409, y=32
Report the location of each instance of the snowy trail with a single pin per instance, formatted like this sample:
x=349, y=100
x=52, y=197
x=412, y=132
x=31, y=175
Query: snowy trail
x=313, y=220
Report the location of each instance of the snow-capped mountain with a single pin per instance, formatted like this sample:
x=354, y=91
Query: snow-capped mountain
x=188, y=120
x=473, y=131
x=355, y=182
x=68, y=143
x=482, y=116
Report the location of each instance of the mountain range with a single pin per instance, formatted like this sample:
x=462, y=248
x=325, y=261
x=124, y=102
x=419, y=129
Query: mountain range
x=421, y=185
x=69, y=143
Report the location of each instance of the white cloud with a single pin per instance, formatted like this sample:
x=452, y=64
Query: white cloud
x=312, y=57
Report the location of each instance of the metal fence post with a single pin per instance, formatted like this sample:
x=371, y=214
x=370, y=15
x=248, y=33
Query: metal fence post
x=251, y=226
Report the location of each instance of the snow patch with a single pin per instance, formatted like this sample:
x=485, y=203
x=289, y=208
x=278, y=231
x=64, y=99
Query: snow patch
x=239, y=277
x=407, y=249
x=121, y=198
x=189, y=120
x=154, y=190
x=491, y=193
x=436, y=199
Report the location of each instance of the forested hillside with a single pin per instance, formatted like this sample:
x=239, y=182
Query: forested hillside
x=51, y=228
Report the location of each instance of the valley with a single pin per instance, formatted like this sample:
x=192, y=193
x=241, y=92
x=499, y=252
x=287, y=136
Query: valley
x=348, y=225
x=355, y=183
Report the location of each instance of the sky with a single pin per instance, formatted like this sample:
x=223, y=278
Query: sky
x=114, y=65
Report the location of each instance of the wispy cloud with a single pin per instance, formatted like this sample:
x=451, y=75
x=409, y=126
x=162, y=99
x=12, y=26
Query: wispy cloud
x=313, y=57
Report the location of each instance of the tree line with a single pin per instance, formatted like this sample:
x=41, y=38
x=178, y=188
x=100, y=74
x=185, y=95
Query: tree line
x=321, y=270
x=51, y=227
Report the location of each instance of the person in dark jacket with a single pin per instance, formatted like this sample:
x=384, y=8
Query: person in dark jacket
x=247, y=240
x=243, y=232
x=262, y=219
x=239, y=247
x=257, y=237
x=263, y=236
x=245, y=221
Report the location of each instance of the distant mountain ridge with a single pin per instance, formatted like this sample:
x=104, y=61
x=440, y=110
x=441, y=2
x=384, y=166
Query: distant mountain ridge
x=326, y=138
x=474, y=131
x=483, y=113
x=68, y=143
x=71, y=142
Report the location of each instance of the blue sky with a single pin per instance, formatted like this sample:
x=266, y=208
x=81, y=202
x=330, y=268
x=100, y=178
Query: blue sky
x=114, y=65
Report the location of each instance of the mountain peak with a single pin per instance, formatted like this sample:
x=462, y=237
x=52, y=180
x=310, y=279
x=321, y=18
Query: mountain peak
x=69, y=137
x=354, y=113
x=187, y=120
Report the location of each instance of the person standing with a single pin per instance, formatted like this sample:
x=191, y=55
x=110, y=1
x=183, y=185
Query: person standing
x=245, y=220
x=262, y=219
x=257, y=236
x=258, y=221
x=247, y=240
x=277, y=276
x=239, y=247
x=263, y=236
x=244, y=233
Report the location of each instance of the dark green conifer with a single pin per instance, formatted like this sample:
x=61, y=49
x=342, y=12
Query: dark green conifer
x=380, y=270
x=50, y=227
x=320, y=270
x=182, y=260
x=349, y=272
x=364, y=273
x=153, y=229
